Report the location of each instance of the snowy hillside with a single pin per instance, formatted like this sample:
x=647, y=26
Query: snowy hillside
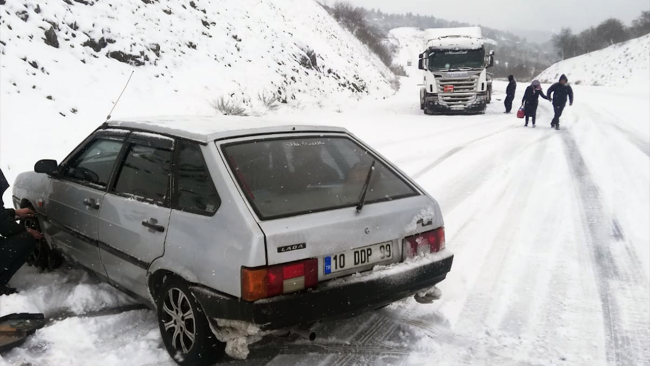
x=64, y=63
x=623, y=64
x=409, y=43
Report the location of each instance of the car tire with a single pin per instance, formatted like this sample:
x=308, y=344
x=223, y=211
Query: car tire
x=44, y=257
x=180, y=317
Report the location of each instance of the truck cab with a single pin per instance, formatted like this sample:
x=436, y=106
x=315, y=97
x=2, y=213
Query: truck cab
x=454, y=66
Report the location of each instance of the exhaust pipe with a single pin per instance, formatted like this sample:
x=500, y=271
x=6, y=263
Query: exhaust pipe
x=305, y=333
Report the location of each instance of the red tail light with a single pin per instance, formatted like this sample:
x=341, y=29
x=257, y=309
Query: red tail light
x=277, y=280
x=428, y=242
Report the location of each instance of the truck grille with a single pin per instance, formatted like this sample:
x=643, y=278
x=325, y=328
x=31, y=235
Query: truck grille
x=464, y=90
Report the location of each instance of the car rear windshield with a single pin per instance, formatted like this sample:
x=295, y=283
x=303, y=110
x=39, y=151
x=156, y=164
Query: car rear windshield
x=293, y=176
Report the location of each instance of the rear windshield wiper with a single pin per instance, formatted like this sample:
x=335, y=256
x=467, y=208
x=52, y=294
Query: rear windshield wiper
x=366, y=185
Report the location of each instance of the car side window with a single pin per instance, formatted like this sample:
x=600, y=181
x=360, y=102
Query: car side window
x=95, y=163
x=145, y=174
x=196, y=190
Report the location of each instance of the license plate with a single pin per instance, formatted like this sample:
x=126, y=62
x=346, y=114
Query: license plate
x=358, y=258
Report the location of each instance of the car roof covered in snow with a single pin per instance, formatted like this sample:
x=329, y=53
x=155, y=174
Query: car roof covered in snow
x=209, y=128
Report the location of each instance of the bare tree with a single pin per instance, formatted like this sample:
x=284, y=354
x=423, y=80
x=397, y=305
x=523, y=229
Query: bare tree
x=612, y=31
x=641, y=25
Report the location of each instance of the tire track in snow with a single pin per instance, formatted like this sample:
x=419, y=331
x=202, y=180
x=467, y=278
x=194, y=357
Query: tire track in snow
x=620, y=281
x=456, y=150
x=393, y=142
x=478, y=305
x=631, y=136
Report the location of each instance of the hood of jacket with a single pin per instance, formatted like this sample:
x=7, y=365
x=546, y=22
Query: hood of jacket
x=511, y=77
x=563, y=77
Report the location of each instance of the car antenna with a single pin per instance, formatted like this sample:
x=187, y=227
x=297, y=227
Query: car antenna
x=118, y=98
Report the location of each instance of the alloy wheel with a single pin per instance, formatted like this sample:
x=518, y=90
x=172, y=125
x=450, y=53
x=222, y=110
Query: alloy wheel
x=179, y=321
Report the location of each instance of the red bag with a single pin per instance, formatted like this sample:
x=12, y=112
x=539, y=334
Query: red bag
x=521, y=113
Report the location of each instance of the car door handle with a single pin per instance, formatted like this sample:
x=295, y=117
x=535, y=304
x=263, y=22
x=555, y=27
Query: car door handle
x=153, y=225
x=92, y=203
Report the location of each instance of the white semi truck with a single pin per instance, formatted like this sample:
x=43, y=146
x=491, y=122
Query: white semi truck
x=455, y=67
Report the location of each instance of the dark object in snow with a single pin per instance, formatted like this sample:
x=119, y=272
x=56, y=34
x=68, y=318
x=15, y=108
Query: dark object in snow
x=23, y=15
x=15, y=328
x=74, y=110
x=85, y=2
x=33, y=64
x=51, y=38
x=37, y=9
x=167, y=11
x=49, y=97
x=97, y=45
x=125, y=58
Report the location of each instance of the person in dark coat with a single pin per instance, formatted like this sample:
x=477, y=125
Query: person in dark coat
x=531, y=100
x=510, y=93
x=16, y=242
x=559, y=92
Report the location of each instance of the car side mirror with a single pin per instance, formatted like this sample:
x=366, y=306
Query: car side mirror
x=421, y=64
x=46, y=166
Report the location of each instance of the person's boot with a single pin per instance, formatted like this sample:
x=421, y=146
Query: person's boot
x=533, y=125
x=557, y=126
x=6, y=290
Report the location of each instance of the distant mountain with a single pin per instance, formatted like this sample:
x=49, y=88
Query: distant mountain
x=534, y=36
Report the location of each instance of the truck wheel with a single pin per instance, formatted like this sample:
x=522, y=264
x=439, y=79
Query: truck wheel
x=489, y=96
x=184, y=328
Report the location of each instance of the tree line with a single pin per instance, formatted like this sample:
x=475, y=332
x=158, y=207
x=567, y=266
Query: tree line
x=609, y=32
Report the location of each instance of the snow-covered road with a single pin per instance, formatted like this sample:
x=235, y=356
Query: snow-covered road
x=550, y=230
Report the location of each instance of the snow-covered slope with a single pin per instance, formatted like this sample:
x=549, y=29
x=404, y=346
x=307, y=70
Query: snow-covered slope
x=409, y=42
x=623, y=64
x=64, y=63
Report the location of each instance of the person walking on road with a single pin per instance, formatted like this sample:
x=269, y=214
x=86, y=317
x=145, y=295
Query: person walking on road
x=531, y=100
x=16, y=242
x=558, y=93
x=510, y=93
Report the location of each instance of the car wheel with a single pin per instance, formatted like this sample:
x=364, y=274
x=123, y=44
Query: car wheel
x=184, y=328
x=44, y=257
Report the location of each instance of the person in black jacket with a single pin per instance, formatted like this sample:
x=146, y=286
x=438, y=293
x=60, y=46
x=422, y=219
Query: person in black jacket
x=16, y=242
x=531, y=100
x=558, y=93
x=510, y=93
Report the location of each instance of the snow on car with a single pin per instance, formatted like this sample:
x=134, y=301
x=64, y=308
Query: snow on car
x=233, y=228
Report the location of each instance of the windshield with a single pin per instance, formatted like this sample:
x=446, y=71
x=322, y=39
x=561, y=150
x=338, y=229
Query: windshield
x=456, y=59
x=292, y=176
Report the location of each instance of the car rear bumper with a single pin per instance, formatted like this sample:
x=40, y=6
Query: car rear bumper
x=338, y=298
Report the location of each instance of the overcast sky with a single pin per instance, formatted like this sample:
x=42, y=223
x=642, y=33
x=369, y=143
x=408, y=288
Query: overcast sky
x=548, y=15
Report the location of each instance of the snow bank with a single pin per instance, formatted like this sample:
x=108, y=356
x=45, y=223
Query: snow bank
x=623, y=64
x=64, y=63
x=61, y=292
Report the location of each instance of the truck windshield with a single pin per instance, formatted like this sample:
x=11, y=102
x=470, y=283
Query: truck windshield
x=291, y=176
x=456, y=59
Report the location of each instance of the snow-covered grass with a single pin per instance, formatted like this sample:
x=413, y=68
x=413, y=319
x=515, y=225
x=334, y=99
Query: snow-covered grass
x=191, y=53
x=624, y=64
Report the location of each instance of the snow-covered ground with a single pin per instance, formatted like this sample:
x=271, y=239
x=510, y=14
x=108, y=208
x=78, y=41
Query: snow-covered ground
x=549, y=228
x=624, y=64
